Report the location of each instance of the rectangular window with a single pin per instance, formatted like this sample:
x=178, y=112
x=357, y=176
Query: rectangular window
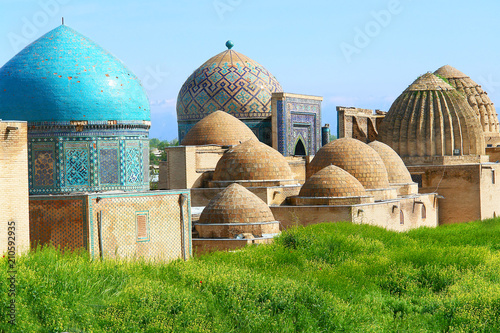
x=142, y=226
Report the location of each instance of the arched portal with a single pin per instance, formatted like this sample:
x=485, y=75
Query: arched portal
x=300, y=149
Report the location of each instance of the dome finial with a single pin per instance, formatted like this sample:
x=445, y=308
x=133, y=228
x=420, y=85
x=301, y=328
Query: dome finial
x=62, y=20
x=229, y=44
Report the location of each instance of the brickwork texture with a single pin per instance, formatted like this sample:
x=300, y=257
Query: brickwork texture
x=355, y=157
x=14, y=185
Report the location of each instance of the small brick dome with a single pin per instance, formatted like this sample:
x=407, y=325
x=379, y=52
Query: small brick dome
x=478, y=99
x=218, y=128
x=236, y=204
x=432, y=119
x=252, y=160
x=396, y=169
x=332, y=181
x=355, y=157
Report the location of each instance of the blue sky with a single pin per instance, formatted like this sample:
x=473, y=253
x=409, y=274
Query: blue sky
x=353, y=53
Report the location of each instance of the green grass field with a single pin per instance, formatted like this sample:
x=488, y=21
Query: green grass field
x=324, y=278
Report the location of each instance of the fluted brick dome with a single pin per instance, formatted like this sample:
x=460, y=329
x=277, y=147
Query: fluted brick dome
x=236, y=204
x=252, y=160
x=218, y=128
x=431, y=118
x=478, y=99
x=396, y=169
x=355, y=157
x=64, y=76
x=332, y=181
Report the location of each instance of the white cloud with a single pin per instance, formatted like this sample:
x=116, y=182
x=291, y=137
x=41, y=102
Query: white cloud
x=163, y=107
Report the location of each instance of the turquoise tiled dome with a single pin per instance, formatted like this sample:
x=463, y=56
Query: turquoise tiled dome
x=65, y=76
x=231, y=82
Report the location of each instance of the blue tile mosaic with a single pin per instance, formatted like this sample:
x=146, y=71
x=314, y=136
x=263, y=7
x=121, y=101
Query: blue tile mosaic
x=65, y=76
x=77, y=166
x=298, y=119
x=133, y=165
x=109, y=166
x=103, y=165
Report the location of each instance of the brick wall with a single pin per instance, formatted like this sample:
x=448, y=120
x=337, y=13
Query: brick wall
x=14, y=184
x=150, y=225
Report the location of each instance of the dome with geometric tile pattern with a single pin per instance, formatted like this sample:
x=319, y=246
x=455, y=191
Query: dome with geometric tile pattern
x=355, y=157
x=64, y=76
x=218, y=128
x=231, y=82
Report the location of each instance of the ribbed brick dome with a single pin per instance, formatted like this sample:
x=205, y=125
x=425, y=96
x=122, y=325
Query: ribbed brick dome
x=355, y=157
x=236, y=204
x=431, y=118
x=478, y=99
x=252, y=160
x=332, y=181
x=396, y=169
x=218, y=128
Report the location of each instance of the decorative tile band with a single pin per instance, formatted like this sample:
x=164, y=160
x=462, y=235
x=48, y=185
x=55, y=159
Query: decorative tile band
x=87, y=164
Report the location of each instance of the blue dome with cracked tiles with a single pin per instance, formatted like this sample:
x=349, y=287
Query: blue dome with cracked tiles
x=231, y=82
x=64, y=76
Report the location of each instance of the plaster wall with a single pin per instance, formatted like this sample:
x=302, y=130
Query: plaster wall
x=398, y=215
x=188, y=166
x=153, y=225
x=298, y=167
x=275, y=195
x=490, y=190
x=494, y=154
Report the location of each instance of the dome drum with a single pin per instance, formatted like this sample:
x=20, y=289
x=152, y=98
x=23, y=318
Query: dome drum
x=330, y=201
x=234, y=230
x=253, y=183
x=382, y=194
x=405, y=189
